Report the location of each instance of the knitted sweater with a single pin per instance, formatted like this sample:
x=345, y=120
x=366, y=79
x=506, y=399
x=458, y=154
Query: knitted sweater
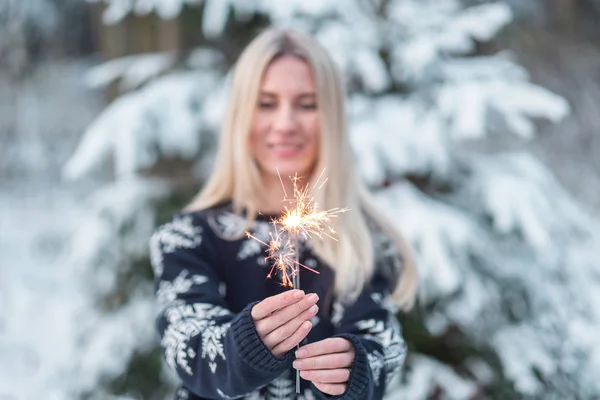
x=206, y=285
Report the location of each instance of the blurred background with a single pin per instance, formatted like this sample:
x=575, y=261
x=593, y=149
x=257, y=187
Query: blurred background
x=475, y=123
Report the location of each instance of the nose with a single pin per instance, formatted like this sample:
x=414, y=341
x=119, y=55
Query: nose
x=285, y=120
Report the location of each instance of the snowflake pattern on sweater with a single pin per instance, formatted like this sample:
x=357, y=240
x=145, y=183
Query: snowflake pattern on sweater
x=178, y=234
x=168, y=291
x=186, y=321
x=207, y=332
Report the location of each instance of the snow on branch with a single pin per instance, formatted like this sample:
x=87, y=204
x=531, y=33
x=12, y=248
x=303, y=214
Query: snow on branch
x=135, y=70
x=426, y=375
x=520, y=196
x=443, y=236
x=162, y=118
x=433, y=30
x=132, y=70
x=393, y=137
x=116, y=10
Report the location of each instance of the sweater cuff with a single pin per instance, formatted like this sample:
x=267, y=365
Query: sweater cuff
x=252, y=350
x=360, y=384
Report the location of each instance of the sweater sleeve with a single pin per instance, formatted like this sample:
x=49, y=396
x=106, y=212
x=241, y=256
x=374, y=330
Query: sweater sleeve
x=370, y=324
x=216, y=353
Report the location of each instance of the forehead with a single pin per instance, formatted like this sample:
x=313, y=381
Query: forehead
x=288, y=74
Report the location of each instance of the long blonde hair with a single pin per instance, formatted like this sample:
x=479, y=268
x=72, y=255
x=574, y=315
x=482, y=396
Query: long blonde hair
x=236, y=176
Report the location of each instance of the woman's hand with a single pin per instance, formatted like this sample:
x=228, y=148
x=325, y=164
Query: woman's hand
x=282, y=321
x=327, y=364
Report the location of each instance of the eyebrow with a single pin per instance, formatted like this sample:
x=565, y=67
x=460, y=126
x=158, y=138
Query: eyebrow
x=270, y=94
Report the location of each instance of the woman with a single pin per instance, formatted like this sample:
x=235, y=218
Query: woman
x=228, y=330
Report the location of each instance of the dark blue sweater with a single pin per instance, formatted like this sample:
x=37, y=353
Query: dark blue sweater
x=206, y=285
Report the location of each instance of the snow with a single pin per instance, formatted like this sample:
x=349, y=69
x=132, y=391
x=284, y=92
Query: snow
x=51, y=326
x=137, y=127
x=204, y=57
x=49, y=295
x=215, y=17
x=524, y=344
x=441, y=234
x=396, y=137
x=116, y=10
x=133, y=70
x=427, y=375
x=513, y=191
x=547, y=288
x=369, y=65
x=438, y=29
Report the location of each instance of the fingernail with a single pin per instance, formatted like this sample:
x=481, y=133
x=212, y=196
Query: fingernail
x=297, y=364
x=300, y=353
x=306, y=325
x=313, y=309
x=299, y=294
x=313, y=298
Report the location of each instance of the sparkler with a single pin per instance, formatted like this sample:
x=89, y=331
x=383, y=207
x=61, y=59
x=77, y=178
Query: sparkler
x=301, y=219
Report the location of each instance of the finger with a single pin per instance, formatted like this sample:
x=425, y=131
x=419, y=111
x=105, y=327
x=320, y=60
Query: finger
x=339, y=375
x=281, y=317
x=283, y=332
x=335, y=389
x=274, y=303
x=325, y=346
x=293, y=340
x=328, y=361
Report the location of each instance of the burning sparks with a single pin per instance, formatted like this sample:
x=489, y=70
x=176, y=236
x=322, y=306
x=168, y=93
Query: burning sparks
x=302, y=220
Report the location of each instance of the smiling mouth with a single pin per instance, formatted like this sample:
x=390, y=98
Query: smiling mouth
x=287, y=146
x=285, y=150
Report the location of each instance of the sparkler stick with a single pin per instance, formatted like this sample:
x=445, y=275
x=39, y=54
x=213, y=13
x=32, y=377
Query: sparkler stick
x=297, y=286
x=302, y=220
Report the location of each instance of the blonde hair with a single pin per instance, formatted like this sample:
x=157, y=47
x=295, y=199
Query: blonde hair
x=236, y=176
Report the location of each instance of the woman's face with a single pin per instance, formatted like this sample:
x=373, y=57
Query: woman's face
x=285, y=130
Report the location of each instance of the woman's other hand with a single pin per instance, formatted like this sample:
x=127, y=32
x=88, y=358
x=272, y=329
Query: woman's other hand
x=282, y=321
x=327, y=363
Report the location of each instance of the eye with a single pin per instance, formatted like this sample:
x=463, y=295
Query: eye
x=308, y=106
x=266, y=105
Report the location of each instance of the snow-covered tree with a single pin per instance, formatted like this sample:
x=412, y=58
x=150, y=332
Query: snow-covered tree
x=506, y=256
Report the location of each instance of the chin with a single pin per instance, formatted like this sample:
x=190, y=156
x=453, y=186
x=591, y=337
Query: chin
x=289, y=170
